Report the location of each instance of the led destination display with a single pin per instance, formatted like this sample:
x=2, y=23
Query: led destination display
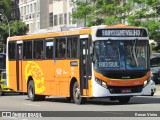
x=121, y=33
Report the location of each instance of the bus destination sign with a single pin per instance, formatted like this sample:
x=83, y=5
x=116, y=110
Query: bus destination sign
x=121, y=33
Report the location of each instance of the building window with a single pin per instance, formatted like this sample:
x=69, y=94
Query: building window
x=21, y=12
x=31, y=9
x=55, y=20
x=49, y=49
x=12, y=48
x=60, y=19
x=38, y=52
x=65, y=18
x=51, y=19
x=24, y=10
x=35, y=5
x=27, y=9
x=27, y=50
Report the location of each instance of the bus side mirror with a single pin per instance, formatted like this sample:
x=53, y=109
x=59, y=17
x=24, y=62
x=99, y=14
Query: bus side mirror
x=91, y=53
x=91, y=50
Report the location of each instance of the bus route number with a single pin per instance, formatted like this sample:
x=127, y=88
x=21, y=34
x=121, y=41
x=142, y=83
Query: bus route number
x=108, y=64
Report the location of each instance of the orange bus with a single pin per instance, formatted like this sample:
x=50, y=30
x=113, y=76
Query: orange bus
x=95, y=62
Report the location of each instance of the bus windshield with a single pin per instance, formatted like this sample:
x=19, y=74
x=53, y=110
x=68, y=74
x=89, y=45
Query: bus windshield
x=120, y=55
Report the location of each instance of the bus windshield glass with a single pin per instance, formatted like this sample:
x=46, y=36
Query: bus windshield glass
x=120, y=55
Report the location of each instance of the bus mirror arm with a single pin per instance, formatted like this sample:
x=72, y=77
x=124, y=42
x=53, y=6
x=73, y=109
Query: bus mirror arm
x=91, y=54
x=91, y=50
x=93, y=60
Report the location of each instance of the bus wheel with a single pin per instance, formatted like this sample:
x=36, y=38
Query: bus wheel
x=77, y=94
x=124, y=100
x=31, y=91
x=152, y=93
x=1, y=92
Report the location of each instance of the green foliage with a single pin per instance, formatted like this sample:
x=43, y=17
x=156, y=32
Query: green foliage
x=7, y=8
x=17, y=27
x=144, y=13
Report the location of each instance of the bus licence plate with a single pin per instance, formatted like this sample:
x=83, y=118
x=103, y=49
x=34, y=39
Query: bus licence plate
x=126, y=91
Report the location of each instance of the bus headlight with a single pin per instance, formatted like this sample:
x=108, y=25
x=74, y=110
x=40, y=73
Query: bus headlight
x=104, y=84
x=146, y=82
x=100, y=82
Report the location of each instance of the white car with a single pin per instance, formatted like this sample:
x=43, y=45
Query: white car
x=153, y=87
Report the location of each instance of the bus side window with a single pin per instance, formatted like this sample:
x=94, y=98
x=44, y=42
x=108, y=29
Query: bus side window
x=27, y=50
x=69, y=45
x=49, y=49
x=72, y=45
x=38, y=49
x=12, y=48
x=60, y=48
x=75, y=47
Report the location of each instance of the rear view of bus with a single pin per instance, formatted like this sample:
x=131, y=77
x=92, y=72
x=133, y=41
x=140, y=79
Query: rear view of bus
x=120, y=62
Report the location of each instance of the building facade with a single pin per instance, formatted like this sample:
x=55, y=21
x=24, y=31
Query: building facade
x=44, y=15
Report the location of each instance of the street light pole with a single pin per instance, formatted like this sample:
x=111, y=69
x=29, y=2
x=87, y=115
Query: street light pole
x=9, y=33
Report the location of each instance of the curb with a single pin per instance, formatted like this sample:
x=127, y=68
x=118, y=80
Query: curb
x=157, y=90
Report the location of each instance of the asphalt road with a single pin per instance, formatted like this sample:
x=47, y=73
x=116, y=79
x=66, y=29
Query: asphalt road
x=94, y=107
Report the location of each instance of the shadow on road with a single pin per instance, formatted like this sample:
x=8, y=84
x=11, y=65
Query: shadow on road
x=13, y=94
x=106, y=101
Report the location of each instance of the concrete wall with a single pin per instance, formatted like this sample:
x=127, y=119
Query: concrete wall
x=44, y=14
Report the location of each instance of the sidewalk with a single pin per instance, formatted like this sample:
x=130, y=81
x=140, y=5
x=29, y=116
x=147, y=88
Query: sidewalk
x=157, y=90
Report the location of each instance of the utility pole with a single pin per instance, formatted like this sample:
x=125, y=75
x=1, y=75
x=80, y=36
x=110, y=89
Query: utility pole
x=2, y=13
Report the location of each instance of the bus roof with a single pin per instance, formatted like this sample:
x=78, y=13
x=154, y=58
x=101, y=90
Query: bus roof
x=76, y=31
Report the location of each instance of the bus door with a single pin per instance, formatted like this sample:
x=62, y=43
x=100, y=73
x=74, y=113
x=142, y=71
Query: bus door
x=85, y=63
x=19, y=65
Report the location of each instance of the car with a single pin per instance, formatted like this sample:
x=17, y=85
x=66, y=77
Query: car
x=155, y=67
x=3, y=84
x=153, y=87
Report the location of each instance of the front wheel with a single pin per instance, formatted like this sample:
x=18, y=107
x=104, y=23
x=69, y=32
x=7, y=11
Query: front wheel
x=77, y=94
x=152, y=93
x=124, y=100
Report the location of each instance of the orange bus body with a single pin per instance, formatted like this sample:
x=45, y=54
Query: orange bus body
x=49, y=78
x=57, y=77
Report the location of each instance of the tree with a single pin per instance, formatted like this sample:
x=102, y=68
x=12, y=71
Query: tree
x=6, y=6
x=108, y=12
x=17, y=27
x=144, y=13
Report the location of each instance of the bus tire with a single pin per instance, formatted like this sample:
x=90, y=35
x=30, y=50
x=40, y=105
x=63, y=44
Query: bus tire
x=152, y=93
x=1, y=92
x=77, y=94
x=123, y=100
x=31, y=91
